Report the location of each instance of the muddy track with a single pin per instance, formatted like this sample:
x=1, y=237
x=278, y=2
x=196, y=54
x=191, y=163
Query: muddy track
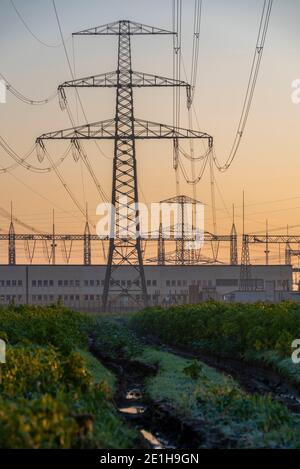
x=252, y=377
x=157, y=423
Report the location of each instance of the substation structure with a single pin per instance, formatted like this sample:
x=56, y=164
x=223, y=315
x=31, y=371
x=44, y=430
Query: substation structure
x=127, y=280
x=170, y=279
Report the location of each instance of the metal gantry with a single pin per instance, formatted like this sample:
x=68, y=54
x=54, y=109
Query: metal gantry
x=66, y=241
x=124, y=129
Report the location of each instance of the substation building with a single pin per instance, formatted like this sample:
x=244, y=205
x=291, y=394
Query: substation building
x=80, y=287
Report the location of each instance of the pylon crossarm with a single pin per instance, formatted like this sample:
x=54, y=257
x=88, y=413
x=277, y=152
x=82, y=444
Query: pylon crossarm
x=145, y=129
x=140, y=79
x=107, y=130
x=115, y=28
x=99, y=130
x=110, y=80
x=105, y=80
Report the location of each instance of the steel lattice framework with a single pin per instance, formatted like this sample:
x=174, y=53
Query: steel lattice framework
x=124, y=129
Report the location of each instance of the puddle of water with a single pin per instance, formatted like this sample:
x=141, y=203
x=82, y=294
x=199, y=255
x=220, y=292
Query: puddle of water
x=134, y=395
x=148, y=436
x=133, y=410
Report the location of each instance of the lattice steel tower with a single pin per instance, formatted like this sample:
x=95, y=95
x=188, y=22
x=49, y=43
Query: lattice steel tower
x=124, y=129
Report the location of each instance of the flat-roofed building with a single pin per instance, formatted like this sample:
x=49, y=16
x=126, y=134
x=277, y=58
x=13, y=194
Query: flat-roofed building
x=80, y=287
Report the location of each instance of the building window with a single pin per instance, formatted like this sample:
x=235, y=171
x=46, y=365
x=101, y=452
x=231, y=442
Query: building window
x=173, y=283
x=14, y=283
x=71, y=283
x=168, y=283
x=60, y=283
x=179, y=283
x=77, y=297
x=92, y=283
x=8, y=283
x=77, y=283
x=45, y=283
x=40, y=283
x=92, y=297
x=66, y=283
x=86, y=297
x=226, y=282
x=154, y=283
x=148, y=283
x=86, y=283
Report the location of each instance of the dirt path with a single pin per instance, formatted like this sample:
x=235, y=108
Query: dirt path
x=251, y=377
x=157, y=424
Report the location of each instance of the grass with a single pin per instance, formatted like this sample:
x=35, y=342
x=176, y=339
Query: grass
x=260, y=332
x=99, y=373
x=199, y=393
x=243, y=421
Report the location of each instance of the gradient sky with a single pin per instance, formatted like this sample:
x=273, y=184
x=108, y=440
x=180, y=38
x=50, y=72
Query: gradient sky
x=266, y=166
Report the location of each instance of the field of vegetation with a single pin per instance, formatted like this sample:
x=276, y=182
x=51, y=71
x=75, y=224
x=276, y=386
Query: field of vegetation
x=260, y=332
x=220, y=410
x=53, y=392
x=56, y=390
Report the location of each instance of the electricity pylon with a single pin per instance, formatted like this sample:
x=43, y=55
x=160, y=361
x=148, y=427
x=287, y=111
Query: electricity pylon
x=124, y=129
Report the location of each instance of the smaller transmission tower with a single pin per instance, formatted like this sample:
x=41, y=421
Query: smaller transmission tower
x=233, y=243
x=87, y=251
x=245, y=272
x=11, y=241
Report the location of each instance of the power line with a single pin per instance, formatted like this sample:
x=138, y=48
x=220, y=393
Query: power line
x=25, y=99
x=81, y=151
x=4, y=213
x=21, y=161
x=30, y=30
x=258, y=54
x=177, y=43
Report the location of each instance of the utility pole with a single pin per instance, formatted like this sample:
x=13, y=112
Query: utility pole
x=87, y=250
x=267, y=251
x=53, y=244
x=124, y=129
x=11, y=240
x=233, y=242
x=161, y=251
x=245, y=271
